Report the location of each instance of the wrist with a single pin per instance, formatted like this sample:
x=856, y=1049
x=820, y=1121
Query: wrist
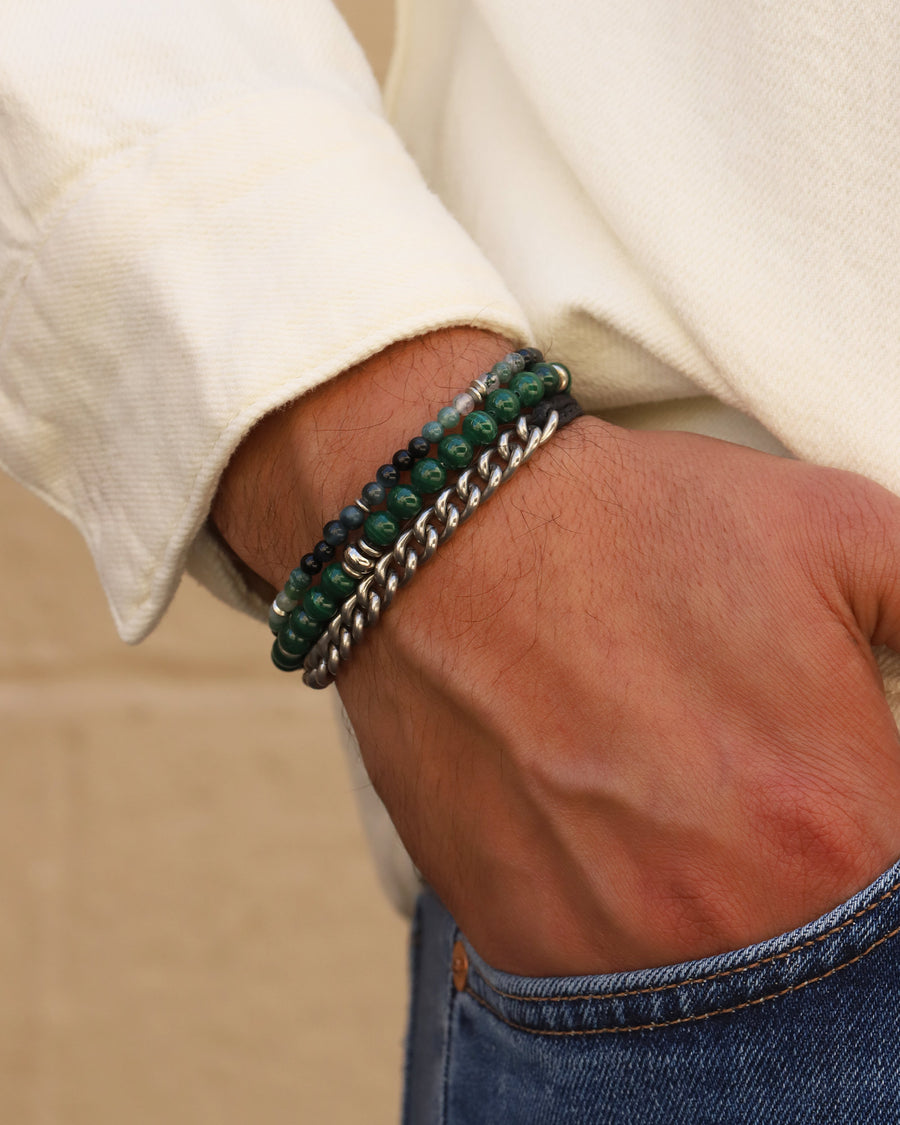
x=300, y=465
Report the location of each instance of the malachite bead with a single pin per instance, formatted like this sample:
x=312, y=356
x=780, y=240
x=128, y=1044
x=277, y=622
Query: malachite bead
x=448, y=417
x=304, y=626
x=432, y=432
x=455, y=451
x=428, y=476
x=283, y=662
x=548, y=375
x=334, y=533
x=504, y=372
x=387, y=475
x=528, y=388
x=276, y=620
x=404, y=502
x=297, y=584
x=292, y=643
x=352, y=517
x=480, y=428
x=382, y=528
x=319, y=606
x=374, y=492
x=504, y=405
x=336, y=582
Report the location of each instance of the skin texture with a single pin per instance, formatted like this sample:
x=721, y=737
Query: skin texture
x=629, y=715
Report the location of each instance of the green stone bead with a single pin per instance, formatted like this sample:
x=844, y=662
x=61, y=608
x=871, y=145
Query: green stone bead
x=382, y=528
x=292, y=643
x=548, y=376
x=284, y=662
x=428, y=476
x=528, y=388
x=432, y=432
x=336, y=582
x=404, y=502
x=504, y=371
x=504, y=405
x=297, y=584
x=305, y=626
x=319, y=606
x=455, y=451
x=479, y=427
x=448, y=417
x=276, y=620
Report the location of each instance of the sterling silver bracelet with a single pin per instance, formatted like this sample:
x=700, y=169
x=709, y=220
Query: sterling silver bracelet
x=382, y=573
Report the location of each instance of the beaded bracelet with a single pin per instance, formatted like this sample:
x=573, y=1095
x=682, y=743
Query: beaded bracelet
x=397, y=566
x=297, y=627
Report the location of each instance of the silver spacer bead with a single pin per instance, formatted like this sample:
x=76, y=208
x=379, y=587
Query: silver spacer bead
x=565, y=378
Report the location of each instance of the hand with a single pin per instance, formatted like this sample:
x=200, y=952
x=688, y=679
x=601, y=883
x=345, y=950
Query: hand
x=629, y=714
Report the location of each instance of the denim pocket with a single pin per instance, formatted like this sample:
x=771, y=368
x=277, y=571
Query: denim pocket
x=725, y=984
x=804, y=1027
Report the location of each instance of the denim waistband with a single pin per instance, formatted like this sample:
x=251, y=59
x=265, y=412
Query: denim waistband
x=650, y=999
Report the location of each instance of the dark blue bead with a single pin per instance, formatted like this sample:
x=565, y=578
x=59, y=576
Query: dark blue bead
x=334, y=533
x=323, y=551
x=374, y=492
x=418, y=448
x=352, y=517
x=531, y=355
x=310, y=564
x=402, y=460
x=387, y=475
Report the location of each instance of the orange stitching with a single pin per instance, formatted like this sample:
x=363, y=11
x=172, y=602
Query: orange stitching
x=685, y=1019
x=557, y=999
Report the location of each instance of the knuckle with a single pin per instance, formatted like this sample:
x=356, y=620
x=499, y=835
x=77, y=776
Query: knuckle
x=811, y=829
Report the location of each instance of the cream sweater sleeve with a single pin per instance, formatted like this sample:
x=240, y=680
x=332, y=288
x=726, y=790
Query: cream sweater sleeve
x=203, y=213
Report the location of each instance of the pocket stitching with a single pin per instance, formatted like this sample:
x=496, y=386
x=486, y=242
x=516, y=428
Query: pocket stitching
x=681, y=1019
x=712, y=976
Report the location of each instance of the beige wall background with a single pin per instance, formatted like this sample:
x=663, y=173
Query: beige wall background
x=190, y=926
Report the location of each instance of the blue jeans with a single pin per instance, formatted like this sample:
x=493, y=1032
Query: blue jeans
x=802, y=1028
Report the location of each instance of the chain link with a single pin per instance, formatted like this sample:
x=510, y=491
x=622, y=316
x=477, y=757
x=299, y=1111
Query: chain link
x=383, y=574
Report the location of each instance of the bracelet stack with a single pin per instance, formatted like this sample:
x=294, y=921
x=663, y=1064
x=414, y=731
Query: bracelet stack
x=391, y=529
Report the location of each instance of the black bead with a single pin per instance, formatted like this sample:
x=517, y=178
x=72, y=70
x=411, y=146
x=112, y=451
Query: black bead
x=323, y=551
x=310, y=564
x=401, y=460
x=387, y=475
x=531, y=355
x=419, y=448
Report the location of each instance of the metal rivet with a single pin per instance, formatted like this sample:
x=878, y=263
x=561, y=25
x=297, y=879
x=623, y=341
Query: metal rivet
x=460, y=966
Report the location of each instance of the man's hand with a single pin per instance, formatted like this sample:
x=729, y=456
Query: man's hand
x=629, y=715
